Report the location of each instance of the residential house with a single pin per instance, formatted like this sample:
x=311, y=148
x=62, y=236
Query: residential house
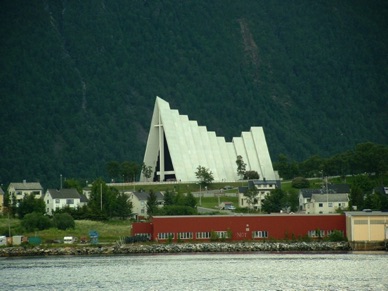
x=262, y=188
x=139, y=202
x=327, y=203
x=87, y=191
x=305, y=198
x=56, y=199
x=18, y=191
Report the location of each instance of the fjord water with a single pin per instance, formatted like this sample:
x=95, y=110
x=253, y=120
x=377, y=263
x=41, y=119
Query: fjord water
x=351, y=271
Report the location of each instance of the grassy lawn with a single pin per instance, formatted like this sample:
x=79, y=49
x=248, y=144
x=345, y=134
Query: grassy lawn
x=179, y=187
x=212, y=202
x=109, y=231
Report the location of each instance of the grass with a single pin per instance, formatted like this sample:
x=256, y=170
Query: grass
x=109, y=231
x=212, y=202
x=179, y=187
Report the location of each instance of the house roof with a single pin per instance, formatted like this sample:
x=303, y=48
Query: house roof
x=331, y=189
x=26, y=186
x=242, y=189
x=339, y=188
x=330, y=197
x=143, y=196
x=83, y=199
x=1, y=191
x=64, y=193
x=262, y=182
x=366, y=213
x=382, y=190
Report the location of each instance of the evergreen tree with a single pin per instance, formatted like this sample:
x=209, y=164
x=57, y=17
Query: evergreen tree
x=152, y=205
x=30, y=204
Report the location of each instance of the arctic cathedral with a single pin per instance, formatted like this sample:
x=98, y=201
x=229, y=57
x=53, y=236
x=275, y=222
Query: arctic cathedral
x=176, y=146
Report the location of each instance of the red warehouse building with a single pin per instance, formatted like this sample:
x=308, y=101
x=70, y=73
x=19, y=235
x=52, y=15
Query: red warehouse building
x=239, y=227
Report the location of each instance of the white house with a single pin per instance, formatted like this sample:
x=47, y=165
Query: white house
x=57, y=199
x=306, y=195
x=139, y=202
x=327, y=203
x=262, y=188
x=19, y=190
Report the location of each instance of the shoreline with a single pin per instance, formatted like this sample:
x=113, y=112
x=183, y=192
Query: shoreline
x=178, y=248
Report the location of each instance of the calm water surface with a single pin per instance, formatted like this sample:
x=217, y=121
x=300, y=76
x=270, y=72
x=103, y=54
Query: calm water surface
x=353, y=271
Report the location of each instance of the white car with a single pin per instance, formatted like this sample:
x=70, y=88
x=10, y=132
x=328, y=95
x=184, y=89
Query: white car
x=229, y=207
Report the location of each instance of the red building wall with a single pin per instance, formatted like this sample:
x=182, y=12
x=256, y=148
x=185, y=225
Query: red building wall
x=142, y=228
x=276, y=226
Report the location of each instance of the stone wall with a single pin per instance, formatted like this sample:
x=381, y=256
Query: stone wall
x=152, y=248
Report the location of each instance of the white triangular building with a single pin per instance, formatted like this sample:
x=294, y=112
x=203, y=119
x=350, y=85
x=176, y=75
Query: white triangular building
x=176, y=146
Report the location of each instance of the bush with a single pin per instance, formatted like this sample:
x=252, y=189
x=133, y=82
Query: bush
x=64, y=221
x=35, y=221
x=176, y=210
x=300, y=182
x=336, y=235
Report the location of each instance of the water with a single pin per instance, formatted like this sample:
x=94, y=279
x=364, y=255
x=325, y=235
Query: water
x=353, y=271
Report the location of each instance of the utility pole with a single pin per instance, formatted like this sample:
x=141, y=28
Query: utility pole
x=101, y=196
x=327, y=196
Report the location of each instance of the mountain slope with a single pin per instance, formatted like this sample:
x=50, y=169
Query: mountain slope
x=79, y=80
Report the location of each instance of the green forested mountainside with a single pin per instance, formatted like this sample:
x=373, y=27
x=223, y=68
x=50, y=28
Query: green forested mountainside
x=78, y=79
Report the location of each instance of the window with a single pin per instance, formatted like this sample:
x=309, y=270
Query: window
x=203, y=235
x=56, y=200
x=69, y=201
x=316, y=233
x=320, y=204
x=47, y=202
x=330, y=204
x=185, y=235
x=166, y=235
x=147, y=235
x=329, y=232
x=360, y=221
x=260, y=234
x=222, y=234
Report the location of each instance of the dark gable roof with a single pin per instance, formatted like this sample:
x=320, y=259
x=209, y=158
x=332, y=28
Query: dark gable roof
x=64, y=193
x=143, y=196
x=242, y=189
x=339, y=188
x=83, y=199
x=381, y=190
x=331, y=189
x=262, y=182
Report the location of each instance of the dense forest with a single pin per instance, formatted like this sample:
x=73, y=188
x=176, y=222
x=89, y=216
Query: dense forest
x=78, y=79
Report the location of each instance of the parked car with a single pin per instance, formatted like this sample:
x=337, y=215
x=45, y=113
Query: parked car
x=229, y=207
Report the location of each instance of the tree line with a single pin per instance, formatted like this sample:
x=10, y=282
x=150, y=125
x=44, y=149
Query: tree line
x=367, y=157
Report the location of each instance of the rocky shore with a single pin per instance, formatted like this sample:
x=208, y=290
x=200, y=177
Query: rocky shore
x=151, y=248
